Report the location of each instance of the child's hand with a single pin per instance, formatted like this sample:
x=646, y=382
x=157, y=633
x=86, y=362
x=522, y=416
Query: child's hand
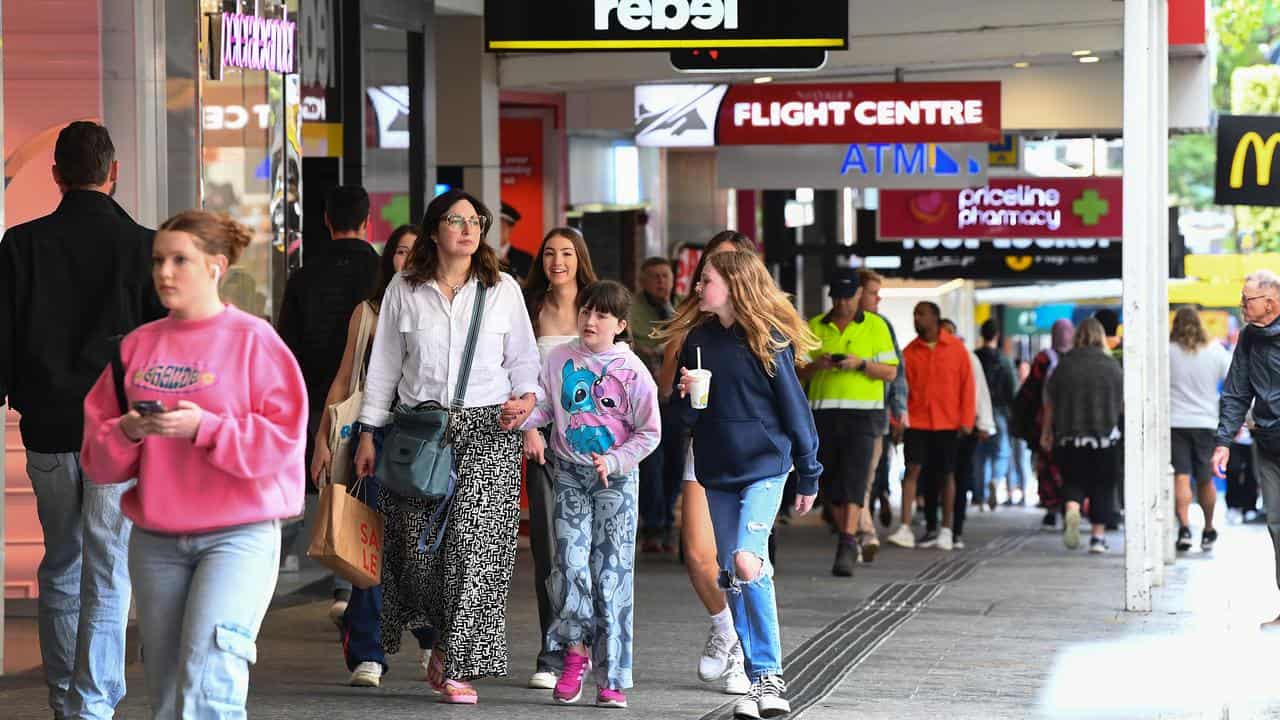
x=602, y=467
x=535, y=447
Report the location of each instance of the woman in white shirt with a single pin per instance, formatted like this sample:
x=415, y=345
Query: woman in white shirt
x=1197, y=367
x=461, y=589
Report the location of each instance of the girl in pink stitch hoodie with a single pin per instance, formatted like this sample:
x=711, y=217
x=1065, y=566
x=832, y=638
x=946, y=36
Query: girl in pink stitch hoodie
x=215, y=437
x=606, y=420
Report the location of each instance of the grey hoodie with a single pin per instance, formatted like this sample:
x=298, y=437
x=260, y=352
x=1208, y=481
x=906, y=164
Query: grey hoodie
x=1254, y=379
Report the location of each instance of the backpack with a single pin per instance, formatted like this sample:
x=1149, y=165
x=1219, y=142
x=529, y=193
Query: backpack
x=1024, y=415
x=998, y=378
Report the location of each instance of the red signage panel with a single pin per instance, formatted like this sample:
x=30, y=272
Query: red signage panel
x=1007, y=208
x=833, y=114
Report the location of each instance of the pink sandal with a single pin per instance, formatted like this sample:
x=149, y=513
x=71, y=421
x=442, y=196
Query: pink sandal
x=457, y=692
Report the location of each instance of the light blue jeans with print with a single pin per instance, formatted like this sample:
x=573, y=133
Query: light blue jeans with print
x=592, y=584
x=742, y=521
x=201, y=600
x=84, y=586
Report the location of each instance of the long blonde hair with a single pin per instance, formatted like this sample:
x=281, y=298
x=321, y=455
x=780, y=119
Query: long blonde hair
x=765, y=313
x=1090, y=334
x=1188, y=331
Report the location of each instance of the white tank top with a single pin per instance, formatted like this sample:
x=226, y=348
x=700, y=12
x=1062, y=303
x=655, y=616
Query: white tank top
x=547, y=343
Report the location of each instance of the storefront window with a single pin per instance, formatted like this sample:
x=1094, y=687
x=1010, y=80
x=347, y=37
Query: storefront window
x=387, y=130
x=251, y=159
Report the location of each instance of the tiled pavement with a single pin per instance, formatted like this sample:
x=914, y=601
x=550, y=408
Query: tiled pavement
x=1012, y=627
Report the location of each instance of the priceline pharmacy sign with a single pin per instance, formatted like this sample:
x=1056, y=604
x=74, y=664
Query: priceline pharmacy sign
x=1007, y=208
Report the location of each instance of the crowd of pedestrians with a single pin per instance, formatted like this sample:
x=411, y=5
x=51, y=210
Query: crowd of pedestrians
x=170, y=437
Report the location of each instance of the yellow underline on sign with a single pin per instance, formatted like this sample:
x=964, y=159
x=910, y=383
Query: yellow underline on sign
x=662, y=44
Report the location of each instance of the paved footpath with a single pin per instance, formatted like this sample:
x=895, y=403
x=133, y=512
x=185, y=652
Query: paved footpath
x=1012, y=627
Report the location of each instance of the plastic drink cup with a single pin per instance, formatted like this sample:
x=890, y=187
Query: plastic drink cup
x=699, y=388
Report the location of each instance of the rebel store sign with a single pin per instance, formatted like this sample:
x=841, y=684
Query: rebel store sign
x=817, y=114
x=1007, y=208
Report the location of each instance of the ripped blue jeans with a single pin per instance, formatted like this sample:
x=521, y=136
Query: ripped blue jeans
x=201, y=600
x=743, y=521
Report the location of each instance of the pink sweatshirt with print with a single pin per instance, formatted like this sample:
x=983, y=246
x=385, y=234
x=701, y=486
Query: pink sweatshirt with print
x=601, y=403
x=245, y=464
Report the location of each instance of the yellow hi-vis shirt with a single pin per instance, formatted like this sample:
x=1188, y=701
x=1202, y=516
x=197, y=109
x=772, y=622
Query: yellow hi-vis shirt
x=850, y=389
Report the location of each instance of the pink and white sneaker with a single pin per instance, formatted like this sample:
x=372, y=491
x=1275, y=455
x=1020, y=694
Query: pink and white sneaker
x=607, y=698
x=569, y=687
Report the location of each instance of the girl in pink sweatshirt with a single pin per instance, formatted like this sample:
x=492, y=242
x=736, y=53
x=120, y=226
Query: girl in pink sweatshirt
x=214, y=434
x=604, y=405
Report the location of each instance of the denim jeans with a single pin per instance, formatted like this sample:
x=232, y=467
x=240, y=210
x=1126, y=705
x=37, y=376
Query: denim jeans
x=991, y=461
x=743, y=521
x=201, y=600
x=84, y=586
x=662, y=475
x=1019, y=464
x=592, y=585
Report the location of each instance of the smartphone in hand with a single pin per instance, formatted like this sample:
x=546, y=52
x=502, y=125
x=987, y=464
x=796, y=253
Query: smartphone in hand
x=148, y=407
x=837, y=359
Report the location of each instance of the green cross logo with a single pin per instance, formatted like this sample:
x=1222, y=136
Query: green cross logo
x=1090, y=207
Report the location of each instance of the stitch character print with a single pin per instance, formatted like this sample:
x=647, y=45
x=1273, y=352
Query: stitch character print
x=598, y=406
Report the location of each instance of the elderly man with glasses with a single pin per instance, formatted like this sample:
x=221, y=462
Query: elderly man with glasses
x=1254, y=380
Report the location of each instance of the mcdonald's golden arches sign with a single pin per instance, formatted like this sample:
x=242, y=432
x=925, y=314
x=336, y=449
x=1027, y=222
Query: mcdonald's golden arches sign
x=1246, y=173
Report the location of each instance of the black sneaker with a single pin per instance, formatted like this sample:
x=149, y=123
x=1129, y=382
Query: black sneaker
x=846, y=556
x=886, y=510
x=1207, y=539
x=1184, y=539
x=1098, y=545
x=1050, y=520
x=929, y=540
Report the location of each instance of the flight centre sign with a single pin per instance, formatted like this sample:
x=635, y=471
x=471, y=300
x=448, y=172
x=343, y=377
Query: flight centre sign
x=1246, y=172
x=594, y=25
x=691, y=115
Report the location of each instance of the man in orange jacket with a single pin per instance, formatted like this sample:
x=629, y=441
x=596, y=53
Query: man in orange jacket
x=940, y=408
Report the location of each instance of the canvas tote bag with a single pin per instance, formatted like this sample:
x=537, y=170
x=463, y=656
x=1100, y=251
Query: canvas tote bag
x=343, y=415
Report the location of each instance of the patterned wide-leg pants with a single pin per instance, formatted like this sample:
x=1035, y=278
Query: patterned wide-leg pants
x=592, y=584
x=461, y=590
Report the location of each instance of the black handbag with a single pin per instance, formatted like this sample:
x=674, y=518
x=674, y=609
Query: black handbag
x=417, y=455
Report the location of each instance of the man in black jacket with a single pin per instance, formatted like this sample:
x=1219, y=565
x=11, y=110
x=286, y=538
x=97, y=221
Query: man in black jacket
x=1254, y=379
x=318, y=301
x=69, y=282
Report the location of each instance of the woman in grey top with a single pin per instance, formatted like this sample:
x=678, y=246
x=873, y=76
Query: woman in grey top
x=1197, y=367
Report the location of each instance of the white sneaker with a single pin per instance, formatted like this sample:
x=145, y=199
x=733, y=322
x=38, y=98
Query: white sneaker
x=714, y=662
x=957, y=542
x=748, y=706
x=902, y=537
x=336, y=611
x=366, y=674
x=543, y=680
x=944, y=539
x=771, y=702
x=736, y=681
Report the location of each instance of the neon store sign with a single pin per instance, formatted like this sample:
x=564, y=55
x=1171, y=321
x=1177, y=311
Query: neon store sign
x=250, y=42
x=1018, y=206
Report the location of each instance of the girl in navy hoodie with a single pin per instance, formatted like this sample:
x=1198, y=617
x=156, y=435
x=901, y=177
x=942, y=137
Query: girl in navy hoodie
x=756, y=426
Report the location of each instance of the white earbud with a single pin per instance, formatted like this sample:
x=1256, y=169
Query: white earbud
x=217, y=273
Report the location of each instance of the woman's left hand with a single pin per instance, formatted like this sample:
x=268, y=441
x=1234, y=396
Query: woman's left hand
x=804, y=503
x=515, y=410
x=182, y=422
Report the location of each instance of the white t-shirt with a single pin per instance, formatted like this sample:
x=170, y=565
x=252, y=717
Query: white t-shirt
x=1195, y=379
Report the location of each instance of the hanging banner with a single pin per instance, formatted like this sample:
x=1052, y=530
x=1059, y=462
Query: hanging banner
x=816, y=114
x=860, y=165
x=1007, y=208
x=577, y=25
x=1246, y=150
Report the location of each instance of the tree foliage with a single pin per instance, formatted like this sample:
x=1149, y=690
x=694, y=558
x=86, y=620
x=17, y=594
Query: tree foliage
x=1256, y=91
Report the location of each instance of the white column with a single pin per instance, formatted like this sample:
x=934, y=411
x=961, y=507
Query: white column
x=133, y=103
x=1163, y=495
x=1141, y=304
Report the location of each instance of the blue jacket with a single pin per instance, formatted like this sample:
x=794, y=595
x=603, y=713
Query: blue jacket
x=755, y=426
